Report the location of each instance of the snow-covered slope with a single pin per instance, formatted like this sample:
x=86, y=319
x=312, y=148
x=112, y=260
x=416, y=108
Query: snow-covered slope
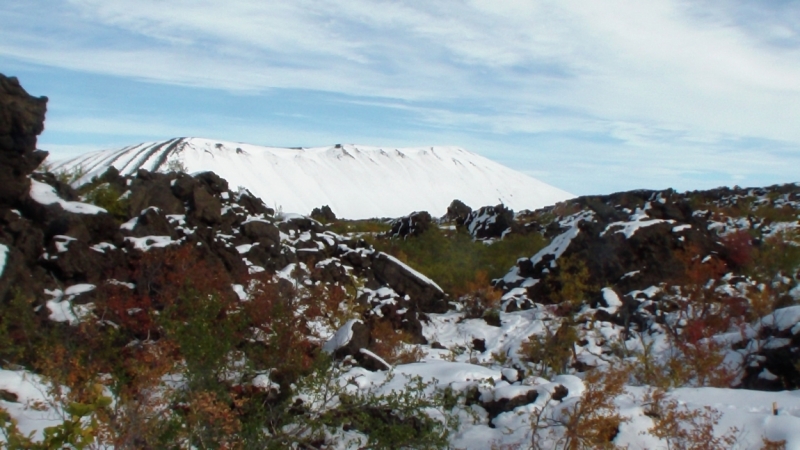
x=355, y=181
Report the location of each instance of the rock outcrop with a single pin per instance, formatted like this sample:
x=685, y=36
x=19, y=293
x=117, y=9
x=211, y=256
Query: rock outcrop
x=633, y=256
x=57, y=249
x=457, y=212
x=324, y=214
x=21, y=121
x=411, y=225
x=490, y=222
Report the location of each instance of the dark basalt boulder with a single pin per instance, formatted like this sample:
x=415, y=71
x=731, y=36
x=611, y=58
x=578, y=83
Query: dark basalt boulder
x=560, y=393
x=205, y=206
x=21, y=235
x=457, y=212
x=230, y=258
x=212, y=182
x=152, y=222
x=426, y=297
x=301, y=224
x=182, y=186
x=332, y=272
x=253, y=205
x=359, y=339
x=154, y=190
x=496, y=407
x=21, y=121
x=490, y=222
x=774, y=366
x=618, y=252
x=411, y=225
x=265, y=233
x=64, y=190
x=72, y=261
x=323, y=214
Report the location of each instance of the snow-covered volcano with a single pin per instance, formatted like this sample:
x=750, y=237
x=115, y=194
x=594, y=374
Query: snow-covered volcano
x=356, y=181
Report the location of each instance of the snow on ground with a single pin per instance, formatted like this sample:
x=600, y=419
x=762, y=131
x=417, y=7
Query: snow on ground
x=561, y=242
x=46, y=195
x=461, y=367
x=366, y=178
x=750, y=412
x=61, y=307
x=28, y=403
x=783, y=318
x=637, y=220
x=148, y=242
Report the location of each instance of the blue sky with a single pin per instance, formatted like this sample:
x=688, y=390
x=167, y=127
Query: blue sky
x=590, y=96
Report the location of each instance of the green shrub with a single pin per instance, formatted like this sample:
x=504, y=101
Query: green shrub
x=371, y=226
x=398, y=419
x=206, y=330
x=453, y=259
x=109, y=198
x=492, y=317
x=20, y=331
x=570, y=286
x=71, y=176
x=778, y=255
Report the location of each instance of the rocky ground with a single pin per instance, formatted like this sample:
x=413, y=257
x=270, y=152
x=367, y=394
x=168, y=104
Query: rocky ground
x=629, y=274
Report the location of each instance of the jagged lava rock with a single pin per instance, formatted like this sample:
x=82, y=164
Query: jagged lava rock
x=21, y=121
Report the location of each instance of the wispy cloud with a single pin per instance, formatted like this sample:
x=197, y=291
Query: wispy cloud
x=682, y=84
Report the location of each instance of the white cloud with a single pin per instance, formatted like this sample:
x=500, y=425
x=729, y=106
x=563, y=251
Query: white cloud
x=620, y=60
x=678, y=77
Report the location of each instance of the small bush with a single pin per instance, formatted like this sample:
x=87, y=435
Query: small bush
x=492, y=317
x=594, y=420
x=570, y=285
x=740, y=249
x=176, y=165
x=392, y=344
x=107, y=197
x=333, y=305
x=684, y=428
x=767, y=444
x=551, y=352
x=686, y=364
x=591, y=421
x=79, y=429
x=777, y=256
x=399, y=419
x=68, y=176
x=20, y=331
x=481, y=299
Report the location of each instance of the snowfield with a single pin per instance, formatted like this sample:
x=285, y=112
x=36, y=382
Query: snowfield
x=357, y=182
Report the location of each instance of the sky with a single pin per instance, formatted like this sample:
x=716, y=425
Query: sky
x=590, y=96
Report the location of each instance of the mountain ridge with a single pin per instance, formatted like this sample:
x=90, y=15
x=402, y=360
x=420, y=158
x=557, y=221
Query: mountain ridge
x=356, y=181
